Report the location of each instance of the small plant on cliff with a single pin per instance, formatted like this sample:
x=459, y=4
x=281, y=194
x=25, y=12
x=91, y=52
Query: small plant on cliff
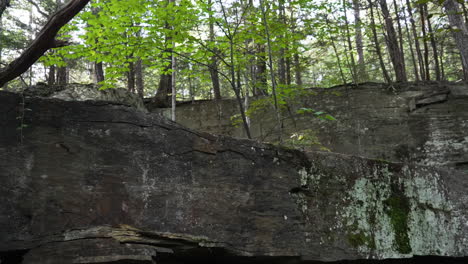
x=304, y=139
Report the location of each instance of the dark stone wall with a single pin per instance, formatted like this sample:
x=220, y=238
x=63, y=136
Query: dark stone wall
x=422, y=123
x=96, y=182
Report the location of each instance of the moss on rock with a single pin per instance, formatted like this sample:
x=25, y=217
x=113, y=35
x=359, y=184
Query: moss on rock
x=397, y=207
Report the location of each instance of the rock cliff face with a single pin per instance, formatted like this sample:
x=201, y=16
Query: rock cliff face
x=86, y=92
x=96, y=182
x=422, y=123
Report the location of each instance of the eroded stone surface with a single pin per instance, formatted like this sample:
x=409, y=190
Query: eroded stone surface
x=86, y=92
x=92, y=181
x=422, y=123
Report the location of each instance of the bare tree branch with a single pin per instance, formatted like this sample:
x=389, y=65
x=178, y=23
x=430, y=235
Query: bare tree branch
x=38, y=8
x=44, y=41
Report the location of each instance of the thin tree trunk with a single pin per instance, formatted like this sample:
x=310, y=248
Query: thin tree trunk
x=261, y=87
x=164, y=90
x=416, y=41
x=1, y=42
x=423, y=16
x=338, y=60
x=400, y=31
x=213, y=66
x=247, y=103
x=98, y=72
x=30, y=27
x=461, y=34
x=140, y=86
x=51, y=76
x=281, y=69
x=433, y=44
x=213, y=69
x=272, y=73
x=282, y=61
x=393, y=46
x=173, y=88
x=163, y=95
x=295, y=47
x=191, y=91
x=350, y=45
x=62, y=75
x=465, y=12
x=233, y=82
x=441, y=57
x=413, y=57
x=377, y=44
x=297, y=69
x=131, y=77
x=361, y=67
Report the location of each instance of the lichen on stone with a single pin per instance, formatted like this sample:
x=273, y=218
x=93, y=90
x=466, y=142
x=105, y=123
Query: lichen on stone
x=392, y=217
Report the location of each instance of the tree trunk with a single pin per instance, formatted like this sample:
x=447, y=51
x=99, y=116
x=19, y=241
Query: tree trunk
x=191, y=90
x=162, y=98
x=173, y=87
x=337, y=55
x=131, y=77
x=350, y=45
x=51, y=77
x=260, y=86
x=297, y=69
x=413, y=56
x=44, y=41
x=361, y=67
x=400, y=32
x=465, y=12
x=1, y=43
x=423, y=15
x=377, y=44
x=62, y=75
x=393, y=46
x=279, y=123
x=282, y=61
x=164, y=93
x=98, y=72
x=460, y=34
x=441, y=57
x=213, y=69
x=433, y=44
x=140, y=86
x=416, y=41
x=213, y=66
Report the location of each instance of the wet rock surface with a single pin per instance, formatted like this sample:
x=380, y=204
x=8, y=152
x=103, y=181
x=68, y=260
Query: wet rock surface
x=421, y=123
x=95, y=182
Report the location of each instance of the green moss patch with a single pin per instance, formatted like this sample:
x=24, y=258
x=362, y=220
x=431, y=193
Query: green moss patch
x=397, y=207
x=361, y=239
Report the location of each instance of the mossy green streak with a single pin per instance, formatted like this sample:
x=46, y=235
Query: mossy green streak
x=397, y=208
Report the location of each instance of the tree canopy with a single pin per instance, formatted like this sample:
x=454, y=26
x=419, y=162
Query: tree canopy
x=214, y=49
